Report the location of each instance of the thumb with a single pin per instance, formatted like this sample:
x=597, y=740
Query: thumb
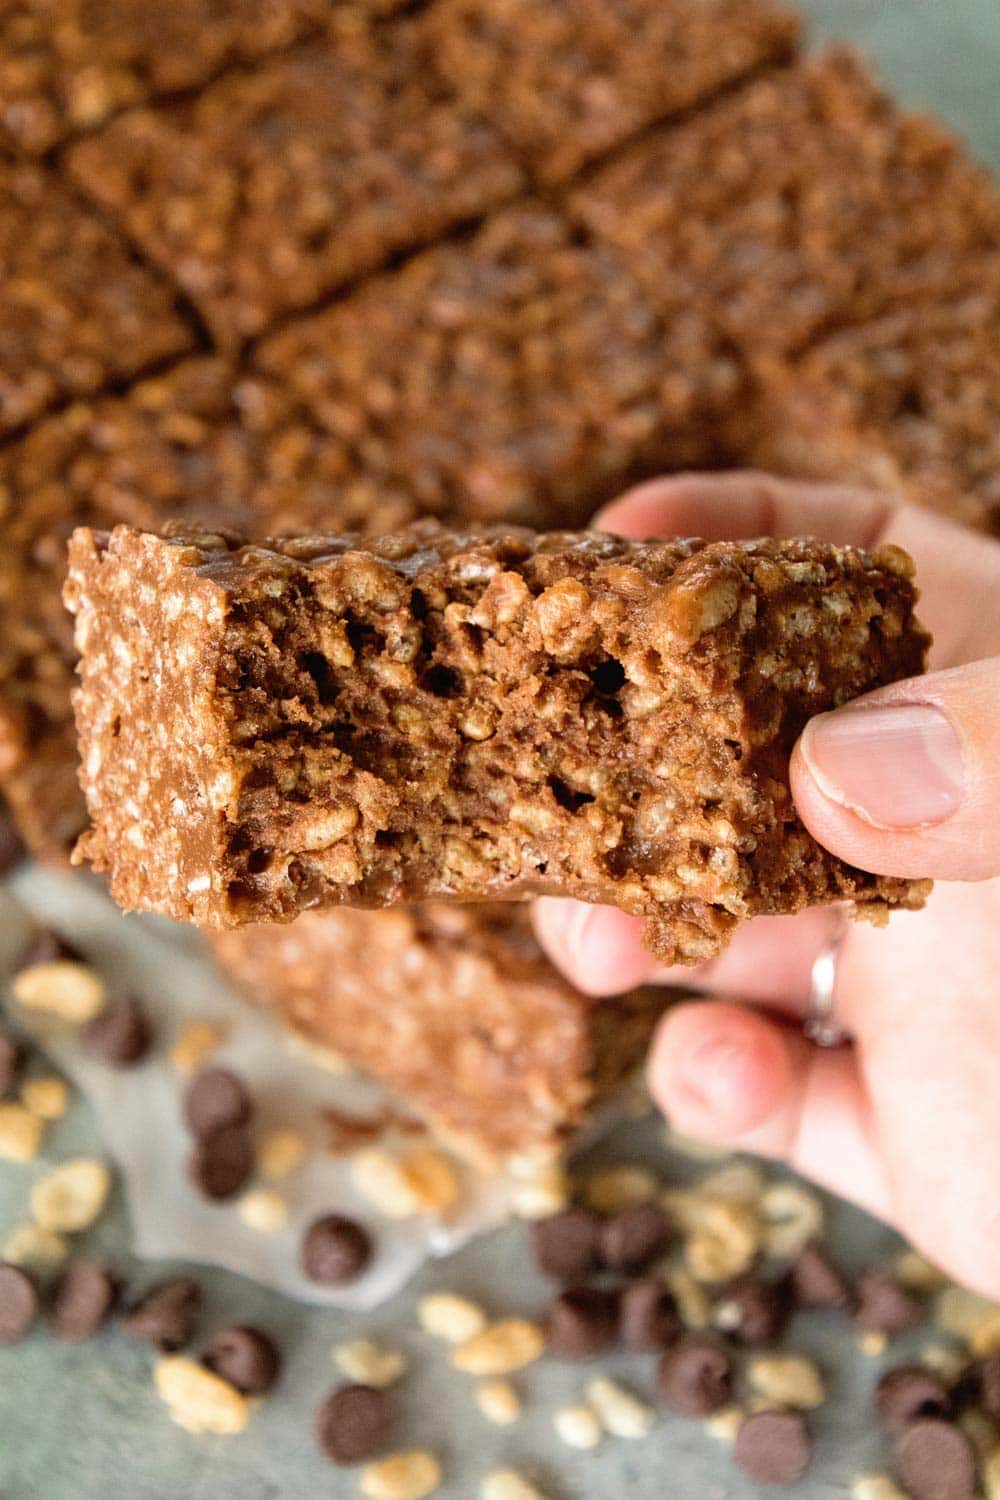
x=906, y=781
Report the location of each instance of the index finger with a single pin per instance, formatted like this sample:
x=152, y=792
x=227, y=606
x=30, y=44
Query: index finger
x=747, y=503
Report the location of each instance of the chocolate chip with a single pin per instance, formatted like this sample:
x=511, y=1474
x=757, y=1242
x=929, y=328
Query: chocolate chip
x=634, y=1236
x=352, y=1424
x=648, y=1316
x=215, y=1100
x=246, y=1357
x=11, y=1061
x=582, y=1322
x=754, y=1312
x=222, y=1164
x=335, y=1250
x=121, y=1035
x=936, y=1461
x=566, y=1244
x=695, y=1377
x=18, y=1303
x=165, y=1316
x=905, y=1394
x=815, y=1282
x=773, y=1447
x=82, y=1302
x=884, y=1306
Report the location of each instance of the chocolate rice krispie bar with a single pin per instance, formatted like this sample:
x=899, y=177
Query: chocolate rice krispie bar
x=202, y=442
x=517, y=375
x=908, y=402
x=66, y=65
x=455, y=1008
x=77, y=311
x=316, y=722
x=273, y=188
x=800, y=203
x=567, y=80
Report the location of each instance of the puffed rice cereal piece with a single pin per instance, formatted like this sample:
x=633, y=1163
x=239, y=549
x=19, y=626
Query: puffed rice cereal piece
x=401, y=1476
x=787, y=1380
x=500, y=1349
x=578, y=1426
x=199, y=1400
x=449, y=1316
x=499, y=1402
x=72, y=1196
x=48, y=1098
x=21, y=1133
x=621, y=1413
x=63, y=988
x=30, y=1245
x=367, y=1363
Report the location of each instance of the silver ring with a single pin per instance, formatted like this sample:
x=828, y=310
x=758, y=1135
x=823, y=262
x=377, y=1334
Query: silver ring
x=820, y=1024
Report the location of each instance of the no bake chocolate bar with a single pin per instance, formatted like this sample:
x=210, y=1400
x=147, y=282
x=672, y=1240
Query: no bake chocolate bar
x=802, y=202
x=908, y=402
x=567, y=80
x=66, y=65
x=518, y=375
x=76, y=309
x=269, y=190
x=455, y=1008
x=201, y=442
x=315, y=722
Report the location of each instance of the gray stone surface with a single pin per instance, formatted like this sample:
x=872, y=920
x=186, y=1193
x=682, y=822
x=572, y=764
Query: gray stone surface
x=81, y=1423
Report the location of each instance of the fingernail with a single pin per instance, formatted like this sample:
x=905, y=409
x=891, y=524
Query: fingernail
x=713, y=1073
x=896, y=766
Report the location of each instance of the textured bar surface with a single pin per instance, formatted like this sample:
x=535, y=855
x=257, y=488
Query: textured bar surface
x=567, y=80
x=457, y=1009
x=521, y=375
x=271, y=189
x=66, y=65
x=266, y=730
x=76, y=310
x=804, y=201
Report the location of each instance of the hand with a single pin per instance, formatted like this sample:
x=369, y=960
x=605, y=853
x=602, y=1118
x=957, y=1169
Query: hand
x=906, y=781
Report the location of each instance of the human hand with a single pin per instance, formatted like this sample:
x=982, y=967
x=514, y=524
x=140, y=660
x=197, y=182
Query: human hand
x=906, y=1120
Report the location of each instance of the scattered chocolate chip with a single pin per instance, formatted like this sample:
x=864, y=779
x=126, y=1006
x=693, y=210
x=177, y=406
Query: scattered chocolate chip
x=756, y=1312
x=582, y=1322
x=120, y=1035
x=222, y=1163
x=566, y=1244
x=815, y=1282
x=988, y=1374
x=335, y=1250
x=773, y=1447
x=695, y=1377
x=884, y=1306
x=47, y=947
x=11, y=1061
x=246, y=1357
x=648, y=1316
x=165, y=1316
x=18, y=1303
x=905, y=1394
x=634, y=1236
x=82, y=1302
x=352, y=1424
x=936, y=1461
x=215, y=1100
